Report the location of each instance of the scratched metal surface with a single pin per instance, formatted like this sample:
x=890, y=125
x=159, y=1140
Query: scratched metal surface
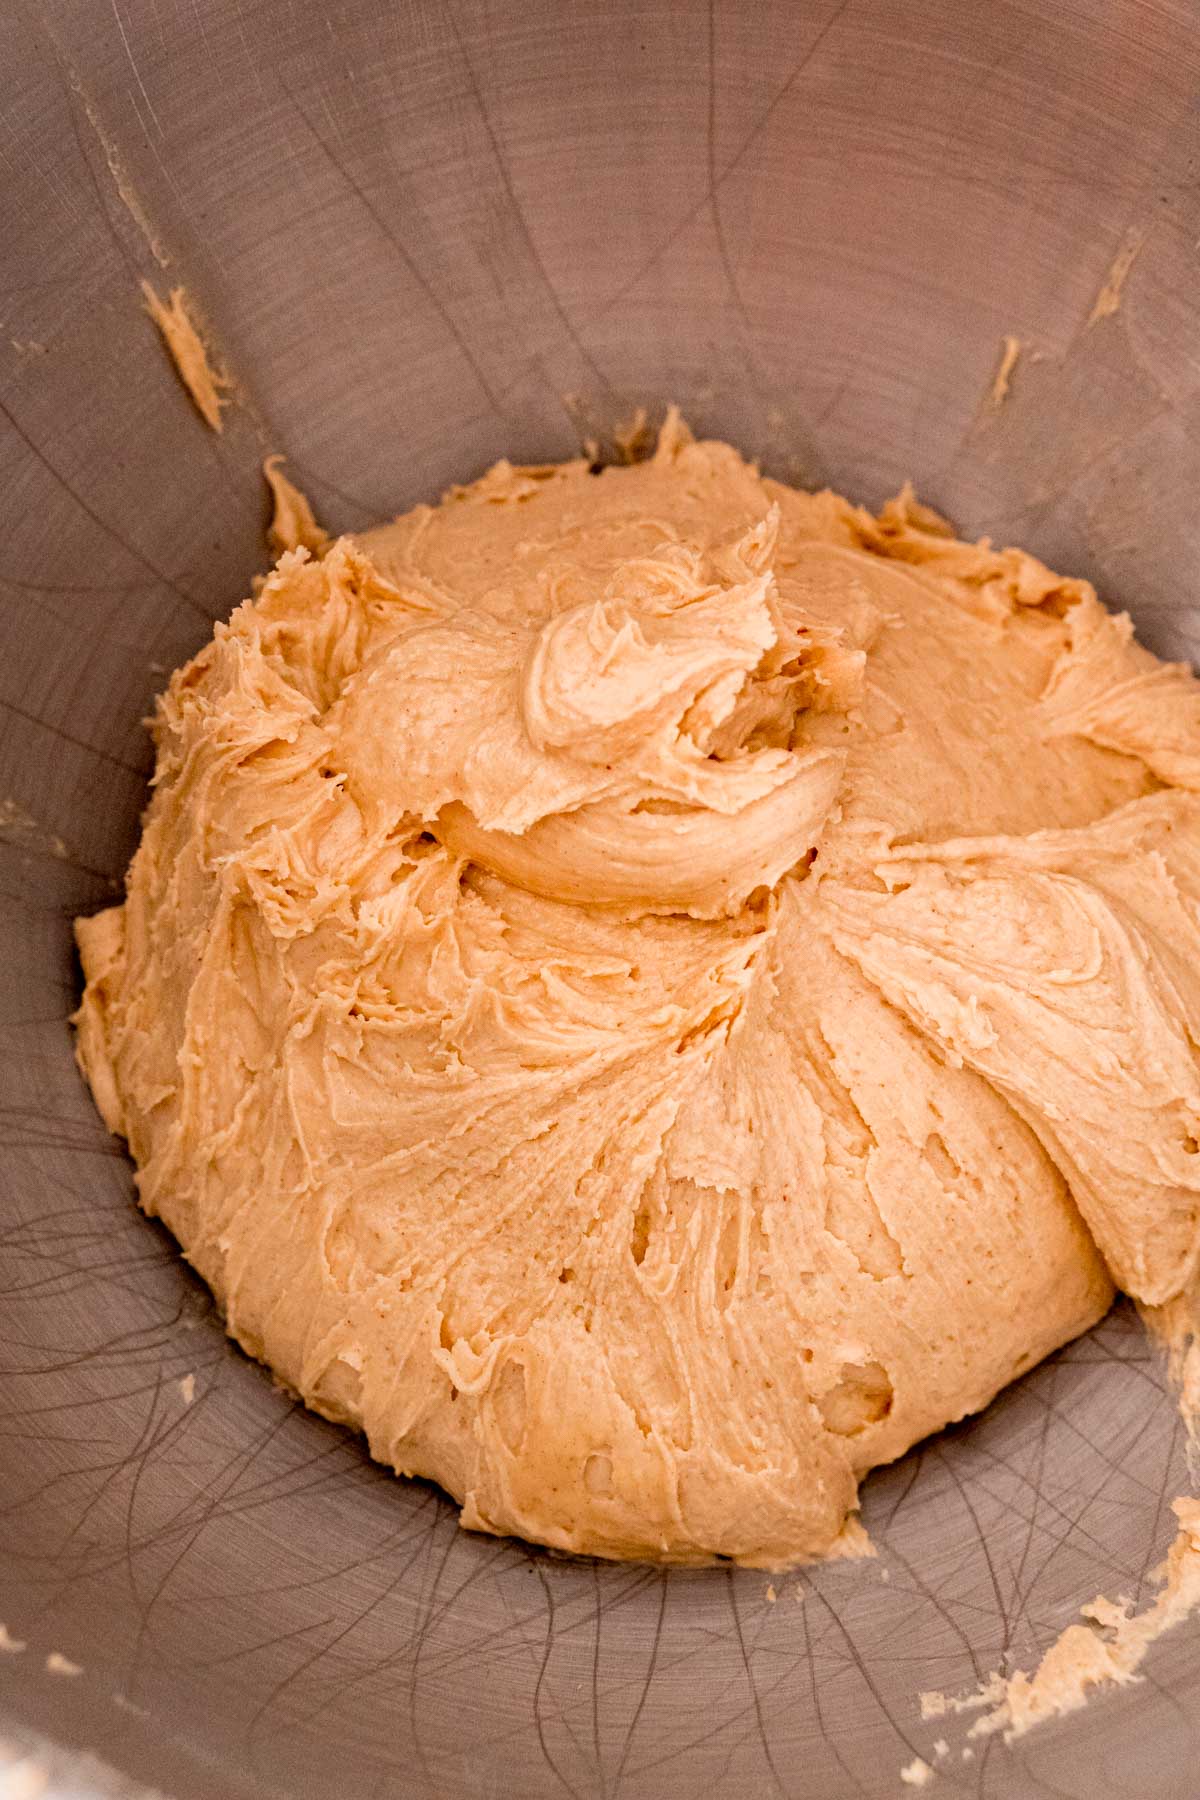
x=425, y=235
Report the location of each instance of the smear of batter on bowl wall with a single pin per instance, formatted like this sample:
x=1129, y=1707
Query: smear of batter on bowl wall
x=1105, y=1651
x=650, y=992
x=206, y=384
x=1010, y=351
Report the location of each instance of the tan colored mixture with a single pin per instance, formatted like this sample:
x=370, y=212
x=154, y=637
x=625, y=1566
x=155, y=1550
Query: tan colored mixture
x=652, y=992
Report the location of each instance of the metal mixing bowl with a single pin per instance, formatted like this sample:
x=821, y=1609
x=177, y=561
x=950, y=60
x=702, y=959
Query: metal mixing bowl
x=425, y=235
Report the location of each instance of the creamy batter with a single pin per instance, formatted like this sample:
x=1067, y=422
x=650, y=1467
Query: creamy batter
x=651, y=992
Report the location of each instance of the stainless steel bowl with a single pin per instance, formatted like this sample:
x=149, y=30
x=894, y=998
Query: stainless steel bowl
x=423, y=236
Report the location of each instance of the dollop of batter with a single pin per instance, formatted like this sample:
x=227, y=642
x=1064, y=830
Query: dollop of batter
x=650, y=992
